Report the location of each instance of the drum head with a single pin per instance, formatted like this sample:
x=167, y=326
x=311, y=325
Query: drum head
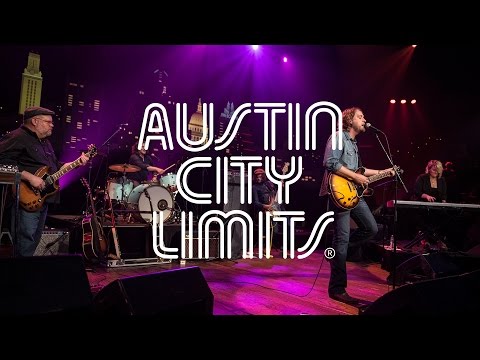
x=119, y=189
x=135, y=194
x=155, y=198
x=169, y=181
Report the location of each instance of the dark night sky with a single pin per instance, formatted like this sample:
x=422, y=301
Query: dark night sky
x=444, y=79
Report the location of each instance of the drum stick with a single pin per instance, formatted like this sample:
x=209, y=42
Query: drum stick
x=170, y=167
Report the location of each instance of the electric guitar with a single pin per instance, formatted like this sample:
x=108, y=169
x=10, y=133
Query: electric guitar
x=32, y=199
x=346, y=194
x=274, y=202
x=94, y=242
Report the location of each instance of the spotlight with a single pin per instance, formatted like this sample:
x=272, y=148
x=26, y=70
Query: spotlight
x=392, y=101
x=413, y=101
x=403, y=101
x=255, y=47
x=285, y=59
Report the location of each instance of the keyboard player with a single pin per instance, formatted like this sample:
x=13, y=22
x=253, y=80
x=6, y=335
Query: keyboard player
x=431, y=187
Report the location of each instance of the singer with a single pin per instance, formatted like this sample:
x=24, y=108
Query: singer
x=344, y=163
x=144, y=161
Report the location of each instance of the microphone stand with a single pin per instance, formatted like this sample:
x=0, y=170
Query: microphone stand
x=107, y=144
x=383, y=213
x=90, y=165
x=147, y=195
x=397, y=178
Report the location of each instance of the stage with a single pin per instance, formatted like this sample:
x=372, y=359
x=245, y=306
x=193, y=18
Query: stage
x=273, y=286
x=257, y=286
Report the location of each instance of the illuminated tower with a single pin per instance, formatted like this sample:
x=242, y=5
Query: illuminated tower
x=31, y=90
x=195, y=124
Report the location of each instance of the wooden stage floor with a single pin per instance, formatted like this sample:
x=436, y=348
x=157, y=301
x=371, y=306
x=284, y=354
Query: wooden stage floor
x=273, y=286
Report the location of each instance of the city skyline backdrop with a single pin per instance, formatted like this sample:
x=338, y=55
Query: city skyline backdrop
x=125, y=78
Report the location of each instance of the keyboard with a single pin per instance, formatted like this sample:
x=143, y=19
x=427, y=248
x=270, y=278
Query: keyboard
x=432, y=205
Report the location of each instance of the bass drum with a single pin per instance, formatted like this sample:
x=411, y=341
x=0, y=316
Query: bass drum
x=148, y=198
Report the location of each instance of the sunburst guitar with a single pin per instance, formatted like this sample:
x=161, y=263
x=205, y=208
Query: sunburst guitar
x=32, y=199
x=346, y=194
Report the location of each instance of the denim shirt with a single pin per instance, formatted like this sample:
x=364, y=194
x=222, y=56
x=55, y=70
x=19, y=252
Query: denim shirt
x=262, y=194
x=335, y=159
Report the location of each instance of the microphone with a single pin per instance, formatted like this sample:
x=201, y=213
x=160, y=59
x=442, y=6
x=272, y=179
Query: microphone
x=370, y=126
x=155, y=156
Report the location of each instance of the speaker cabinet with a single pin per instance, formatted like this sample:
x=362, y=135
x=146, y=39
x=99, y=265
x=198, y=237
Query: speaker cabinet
x=181, y=291
x=38, y=285
x=53, y=242
x=435, y=265
x=452, y=295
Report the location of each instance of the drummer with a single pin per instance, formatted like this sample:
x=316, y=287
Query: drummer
x=144, y=161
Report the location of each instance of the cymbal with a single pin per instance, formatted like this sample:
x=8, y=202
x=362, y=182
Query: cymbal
x=124, y=168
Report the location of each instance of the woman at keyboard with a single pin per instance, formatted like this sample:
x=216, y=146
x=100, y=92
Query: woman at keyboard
x=431, y=187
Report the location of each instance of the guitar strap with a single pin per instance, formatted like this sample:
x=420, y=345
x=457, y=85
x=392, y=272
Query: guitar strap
x=355, y=146
x=360, y=164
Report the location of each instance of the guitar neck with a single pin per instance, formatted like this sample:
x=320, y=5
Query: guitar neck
x=379, y=176
x=92, y=203
x=284, y=171
x=115, y=242
x=55, y=176
x=118, y=252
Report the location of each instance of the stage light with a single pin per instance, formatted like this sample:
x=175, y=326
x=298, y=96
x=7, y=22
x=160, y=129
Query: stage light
x=255, y=47
x=392, y=101
x=285, y=59
x=403, y=101
x=414, y=46
x=413, y=101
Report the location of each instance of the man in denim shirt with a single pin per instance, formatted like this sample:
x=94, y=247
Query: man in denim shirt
x=344, y=163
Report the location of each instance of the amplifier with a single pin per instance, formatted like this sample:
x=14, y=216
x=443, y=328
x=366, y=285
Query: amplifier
x=234, y=177
x=213, y=249
x=8, y=174
x=53, y=242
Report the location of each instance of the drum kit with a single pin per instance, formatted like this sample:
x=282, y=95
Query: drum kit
x=137, y=204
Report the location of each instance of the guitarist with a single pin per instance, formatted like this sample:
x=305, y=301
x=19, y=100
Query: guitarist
x=263, y=195
x=344, y=163
x=29, y=149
